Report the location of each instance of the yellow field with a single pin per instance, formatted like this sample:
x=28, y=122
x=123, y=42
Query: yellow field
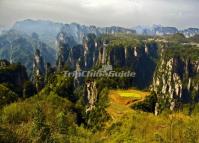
x=131, y=93
x=121, y=100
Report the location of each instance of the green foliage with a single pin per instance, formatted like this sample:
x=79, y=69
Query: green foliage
x=191, y=134
x=13, y=76
x=28, y=89
x=40, y=130
x=7, y=136
x=148, y=105
x=61, y=122
x=98, y=116
x=6, y=96
x=194, y=39
x=183, y=51
x=16, y=113
x=39, y=119
x=178, y=37
x=62, y=86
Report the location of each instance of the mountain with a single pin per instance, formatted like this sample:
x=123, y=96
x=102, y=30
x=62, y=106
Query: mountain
x=99, y=107
x=190, y=32
x=17, y=47
x=107, y=109
x=155, y=30
x=78, y=31
x=48, y=30
x=158, y=30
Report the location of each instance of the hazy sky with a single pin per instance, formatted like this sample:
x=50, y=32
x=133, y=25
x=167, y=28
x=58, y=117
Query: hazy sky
x=127, y=13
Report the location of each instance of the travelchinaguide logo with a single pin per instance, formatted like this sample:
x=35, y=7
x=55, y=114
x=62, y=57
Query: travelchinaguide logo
x=105, y=71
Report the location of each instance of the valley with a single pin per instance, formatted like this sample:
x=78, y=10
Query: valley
x=40, y=103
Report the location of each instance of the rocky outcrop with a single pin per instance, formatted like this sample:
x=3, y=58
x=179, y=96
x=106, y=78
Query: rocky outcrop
x=102, y=46
x=63, y=50
x=90, y=95
x=90, y=51
x=38, y=64
x=78, y=80
x=38, y=70
x=75, y=57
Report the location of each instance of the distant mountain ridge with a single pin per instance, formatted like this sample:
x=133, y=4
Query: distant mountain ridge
x=78, y=31
x=159, y=30
x=48, y=30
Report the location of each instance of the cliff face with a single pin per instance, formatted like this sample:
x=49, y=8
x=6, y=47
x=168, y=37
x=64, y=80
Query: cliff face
x=139, y=57
x=176, y=80
x=119, y=52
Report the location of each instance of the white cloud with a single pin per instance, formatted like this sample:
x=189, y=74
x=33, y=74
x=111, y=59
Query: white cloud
x=104, y=12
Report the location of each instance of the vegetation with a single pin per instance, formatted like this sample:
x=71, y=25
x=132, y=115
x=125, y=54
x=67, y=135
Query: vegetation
x=57, y=114
x=52, y=119
x=6, y=96
x=148, y=105
x=184, y=51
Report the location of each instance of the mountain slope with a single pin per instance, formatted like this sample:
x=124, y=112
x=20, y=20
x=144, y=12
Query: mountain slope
x=17, y=47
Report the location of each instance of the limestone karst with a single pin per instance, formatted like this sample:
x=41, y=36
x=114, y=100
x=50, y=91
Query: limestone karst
x=38, y=70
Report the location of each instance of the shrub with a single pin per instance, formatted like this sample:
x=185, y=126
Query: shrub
x=148, y=105
x=16, y=113
x=40, y=131
x=29, y=89
x=6, y=96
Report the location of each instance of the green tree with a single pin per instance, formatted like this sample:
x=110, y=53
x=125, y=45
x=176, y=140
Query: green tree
x=62, y=123
x=40, y=131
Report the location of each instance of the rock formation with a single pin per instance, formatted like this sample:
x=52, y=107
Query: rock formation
x=48, y=71
x=63, y=50
x=90, y=95
x=78, y=80
x=174, y=81
x=89, y=50
x=38, y=70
